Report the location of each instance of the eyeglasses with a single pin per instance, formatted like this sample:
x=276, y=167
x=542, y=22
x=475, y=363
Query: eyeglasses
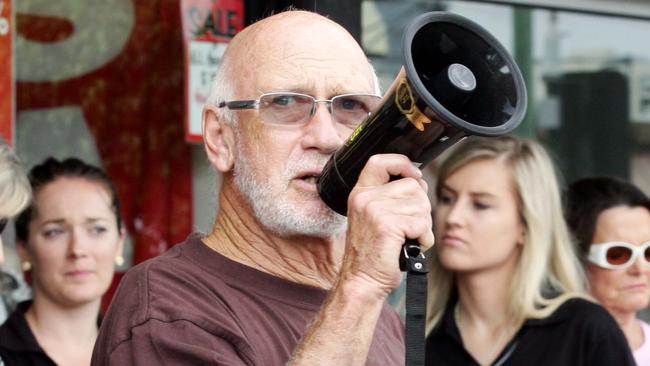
x=295, y=109
x=618, y=255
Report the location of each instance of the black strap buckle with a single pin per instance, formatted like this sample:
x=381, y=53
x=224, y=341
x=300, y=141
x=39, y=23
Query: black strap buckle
x=412, y=258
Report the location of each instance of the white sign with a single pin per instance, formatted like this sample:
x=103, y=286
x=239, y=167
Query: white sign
x=204, y=60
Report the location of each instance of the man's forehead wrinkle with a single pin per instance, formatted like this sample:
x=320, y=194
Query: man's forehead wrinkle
x=307, y=77
x=308, y=65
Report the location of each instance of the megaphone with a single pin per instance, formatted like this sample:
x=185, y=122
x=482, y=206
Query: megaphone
x=457, y=80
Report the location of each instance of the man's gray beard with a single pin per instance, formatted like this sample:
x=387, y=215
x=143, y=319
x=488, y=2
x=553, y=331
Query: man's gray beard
x=272, y=208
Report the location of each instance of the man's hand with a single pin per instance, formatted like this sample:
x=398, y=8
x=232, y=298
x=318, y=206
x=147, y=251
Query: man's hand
x=382, y=213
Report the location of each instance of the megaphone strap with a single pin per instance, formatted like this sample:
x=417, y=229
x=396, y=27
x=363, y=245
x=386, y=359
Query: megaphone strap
x=413, y=261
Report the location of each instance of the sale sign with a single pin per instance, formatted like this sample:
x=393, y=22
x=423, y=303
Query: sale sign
x=7, y=89
x=208, y=26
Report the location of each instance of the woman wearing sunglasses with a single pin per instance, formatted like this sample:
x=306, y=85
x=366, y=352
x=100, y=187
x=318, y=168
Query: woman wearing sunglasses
x=610, y=219
x=505, y=286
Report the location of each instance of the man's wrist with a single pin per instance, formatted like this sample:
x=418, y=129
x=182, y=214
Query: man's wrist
x=362, y=289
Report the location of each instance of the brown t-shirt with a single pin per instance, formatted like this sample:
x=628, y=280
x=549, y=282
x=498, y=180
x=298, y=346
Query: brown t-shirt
x=193, y=306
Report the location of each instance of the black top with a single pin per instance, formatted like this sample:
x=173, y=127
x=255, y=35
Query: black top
x=578, y=333
x=18, y=346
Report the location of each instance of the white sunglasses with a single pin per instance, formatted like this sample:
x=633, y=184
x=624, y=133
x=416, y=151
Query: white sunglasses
x=618, y=255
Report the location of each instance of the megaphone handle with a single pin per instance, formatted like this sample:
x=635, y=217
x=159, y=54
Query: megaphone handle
x=413, y=262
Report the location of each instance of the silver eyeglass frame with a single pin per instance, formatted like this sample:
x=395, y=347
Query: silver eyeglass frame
x=255, y=104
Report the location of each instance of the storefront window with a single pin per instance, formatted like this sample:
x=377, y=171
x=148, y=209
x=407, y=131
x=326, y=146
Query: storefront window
x=588, y=78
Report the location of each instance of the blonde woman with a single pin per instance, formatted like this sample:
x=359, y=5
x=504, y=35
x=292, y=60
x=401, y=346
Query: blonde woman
x=505, y=286
x=15, y=191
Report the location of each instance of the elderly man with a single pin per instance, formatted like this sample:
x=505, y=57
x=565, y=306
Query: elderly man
x=281, y=278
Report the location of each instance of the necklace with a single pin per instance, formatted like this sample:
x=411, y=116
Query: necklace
x=504, y=330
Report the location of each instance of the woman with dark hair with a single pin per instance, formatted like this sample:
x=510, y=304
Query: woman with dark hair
x=610, y=220
x=69, y=239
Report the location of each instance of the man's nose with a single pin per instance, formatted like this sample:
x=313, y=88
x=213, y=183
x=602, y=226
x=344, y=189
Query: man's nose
x=322, y=132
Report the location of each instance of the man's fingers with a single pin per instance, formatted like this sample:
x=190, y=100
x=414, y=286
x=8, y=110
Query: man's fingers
x=419, y=228
x=381, y=168
x=426, y=240
x=401, y=197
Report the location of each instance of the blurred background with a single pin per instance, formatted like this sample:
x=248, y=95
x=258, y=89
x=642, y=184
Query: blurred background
x=110, y=81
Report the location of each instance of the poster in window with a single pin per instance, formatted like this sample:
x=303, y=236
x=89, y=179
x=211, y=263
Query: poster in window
x=208, y=26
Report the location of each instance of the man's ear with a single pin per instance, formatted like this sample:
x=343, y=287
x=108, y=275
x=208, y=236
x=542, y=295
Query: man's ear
x=218, y=139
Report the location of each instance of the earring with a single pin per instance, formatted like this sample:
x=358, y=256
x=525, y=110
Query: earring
x=26, y=266
x=119, y=260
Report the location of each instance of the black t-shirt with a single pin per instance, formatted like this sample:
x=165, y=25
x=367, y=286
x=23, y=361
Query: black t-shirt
x=18, y=346
x=578, y=333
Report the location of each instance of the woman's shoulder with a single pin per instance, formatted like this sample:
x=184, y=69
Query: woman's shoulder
x=583, y=309
x=18, y=346
x=578, y=314
x=15, y=327
x=592, y=331
x=581, y=304
x=589, y=321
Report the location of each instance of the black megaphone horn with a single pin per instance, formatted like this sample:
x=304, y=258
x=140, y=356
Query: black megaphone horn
x=457, y=80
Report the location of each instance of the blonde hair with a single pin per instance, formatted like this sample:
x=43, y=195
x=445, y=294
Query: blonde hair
x=547, y=262
x=15, y=191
